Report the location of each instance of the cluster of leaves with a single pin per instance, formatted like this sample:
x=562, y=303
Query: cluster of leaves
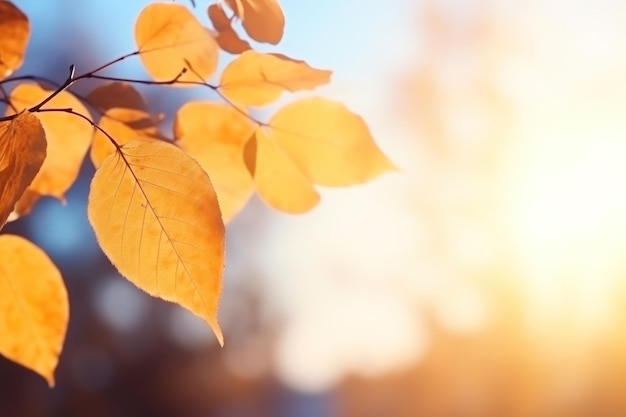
x=158, y=202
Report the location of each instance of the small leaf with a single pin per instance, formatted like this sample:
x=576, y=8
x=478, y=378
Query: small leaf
x=123, y=125
x=263, y=20
x=279, y=181
x=68, y=138
x=22, y=152
x=156, y=217
x=14, y=34
x=116, y=94
x=257, y=79
x=168, y=36
x=331, y=145
x=214, y=134
x=34, y=308
x=226, y=37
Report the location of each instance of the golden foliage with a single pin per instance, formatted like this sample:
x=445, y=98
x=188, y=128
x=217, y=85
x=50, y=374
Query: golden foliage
x=330, y=144
x=34, y=308
x=124, y=125
x=168, y=36
x=226, y=37
x=257, y=79
x=22, y=152
x=263, y=20
x=68, y=138
x=215, y=134
x=153, y=204
x=156, y=217
x=14, y=34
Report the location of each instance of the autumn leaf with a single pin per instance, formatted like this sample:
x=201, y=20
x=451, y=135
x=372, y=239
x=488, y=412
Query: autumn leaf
x=215, y=134
x=257, y=79
x=68, y=138
x=226, y=38
x=156, y=217
x=311, y=141
x=116, y=94
x=22, y=152
x=332, y=145
x=168, y=36
x=278, y=180
x=123, y=125
x=263, y=20
x=34, y=307
x=14, y=34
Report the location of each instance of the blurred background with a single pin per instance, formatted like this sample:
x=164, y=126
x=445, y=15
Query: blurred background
x=485, y=279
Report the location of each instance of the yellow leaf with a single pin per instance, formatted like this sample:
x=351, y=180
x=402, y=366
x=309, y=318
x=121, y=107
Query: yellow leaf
x=14, y=34
x=214, y=134
x=68, y=138
x=226, y=37
x=331, y=145
x=156, y=217
x=124, y=125
x=22, y=152
x=167, y=34
x=34, y=308
x=257, y=79
x=263, y=20
x=116, y=94
x=279, y=181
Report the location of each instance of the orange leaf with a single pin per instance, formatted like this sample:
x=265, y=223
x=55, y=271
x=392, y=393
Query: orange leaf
x=116, y=94
x=22, y=152
x=167, y=35
x=34, y=308
x=257, y=79
x=263, y=20
x=156, y=217
x=330, y=144
x=226, y=37
x=124, y=125
x=68, y=138
x=14, y=34
x=214, y=134
x=279, y=181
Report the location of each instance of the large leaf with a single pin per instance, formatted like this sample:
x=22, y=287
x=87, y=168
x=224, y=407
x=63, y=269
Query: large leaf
x=14, y=34
x=257, y=79
x=34, y=308
x=156, y=217
x=168, y=36
x=22, y=152
x=215, y=134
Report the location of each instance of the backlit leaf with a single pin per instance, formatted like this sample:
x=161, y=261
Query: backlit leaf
x=123, y=125
x=263, y=20
x=331, y=145
x=22, y=152
x=34, y=308
x=156, y=217
x=116, y=94
x=214, y=134
x=226, y=37
x=257, y=79
x=14, y=34
x=279, y=181
x=68, y=138
x=167, y=35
